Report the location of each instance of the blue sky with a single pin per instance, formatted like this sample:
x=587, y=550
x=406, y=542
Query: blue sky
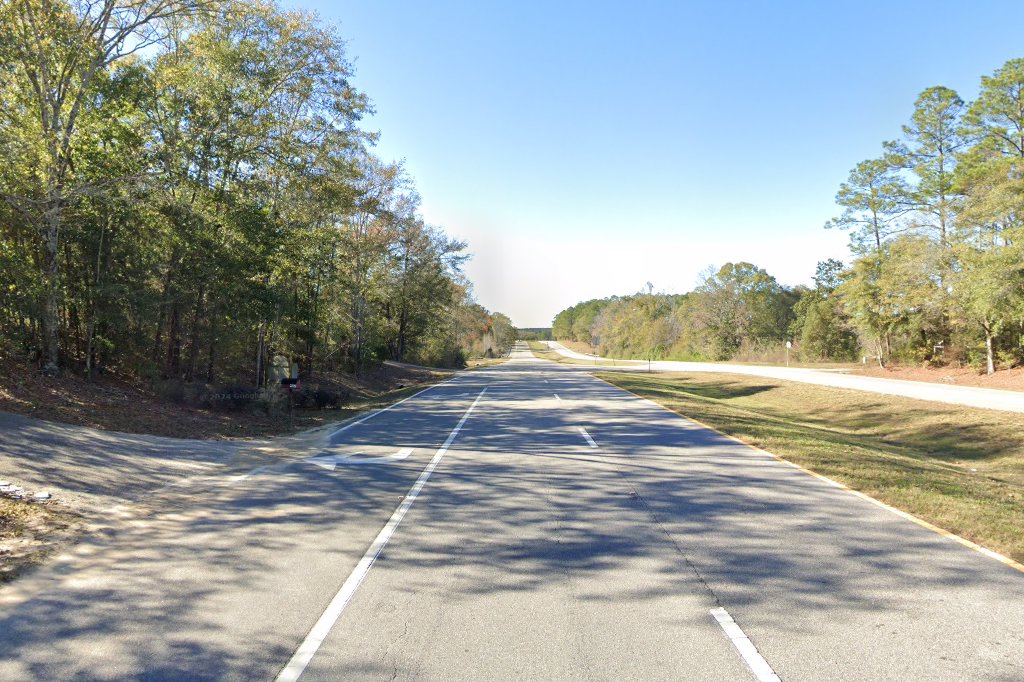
x=583, y=149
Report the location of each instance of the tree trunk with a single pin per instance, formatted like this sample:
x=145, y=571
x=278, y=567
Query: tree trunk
x=990, y=364
x=73, y=328
x=259, y=356
x=90, y=340
x=193, y=344
x=311, y=337
x=51, y=312
x=212, y=354
x=158, y=337
x=172, y=367
x=402, y=325
x=357, y=330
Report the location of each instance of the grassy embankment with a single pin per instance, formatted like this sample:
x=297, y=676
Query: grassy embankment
x=958, y=468
x=762, y=359
x=480, y=363
x=1011, y=379
x=122, y=404
x=540, y=350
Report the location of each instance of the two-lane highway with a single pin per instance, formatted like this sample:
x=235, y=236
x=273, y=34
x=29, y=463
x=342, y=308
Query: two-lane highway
x=524, y=522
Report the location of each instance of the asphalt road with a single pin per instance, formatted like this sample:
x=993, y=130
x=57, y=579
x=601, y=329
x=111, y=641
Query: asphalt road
x=534, y=550
x=970, y=396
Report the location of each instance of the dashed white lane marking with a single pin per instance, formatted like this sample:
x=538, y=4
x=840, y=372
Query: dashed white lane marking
x=304, y=654
x=331, y=462
x=751, y=656
x=235, y=479
x=586, y=437
x=181, y=481
x=373, y=414
x=249, y=474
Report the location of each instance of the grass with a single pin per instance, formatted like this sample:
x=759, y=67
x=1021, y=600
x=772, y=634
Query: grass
x=380, y=400
x=13, y=516
x=540, y=350
x=754, y=359
x=477, y=363
x=958, y=468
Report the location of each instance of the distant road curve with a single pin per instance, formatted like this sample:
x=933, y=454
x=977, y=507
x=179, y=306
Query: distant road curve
x=988, y=398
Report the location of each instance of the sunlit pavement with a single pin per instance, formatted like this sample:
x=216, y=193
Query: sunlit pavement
x=567, y=531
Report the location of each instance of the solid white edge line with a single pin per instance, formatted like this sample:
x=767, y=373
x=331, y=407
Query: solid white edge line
x=373, y=414
x=754, y=660
x=942, y=532
x=304, y=654
x=346, y=427
x=586, y=437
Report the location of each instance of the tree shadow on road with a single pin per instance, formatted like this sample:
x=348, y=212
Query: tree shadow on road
x=223, y=582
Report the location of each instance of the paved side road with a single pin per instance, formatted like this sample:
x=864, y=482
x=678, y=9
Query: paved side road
x=988, y=398
x=567, y=530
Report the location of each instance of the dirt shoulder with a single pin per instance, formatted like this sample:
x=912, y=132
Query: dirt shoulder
x=113, y=403
x=30, y=531
x=1004, y=380
x=482, y=363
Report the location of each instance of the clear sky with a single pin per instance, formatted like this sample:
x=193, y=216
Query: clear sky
x=583, y=149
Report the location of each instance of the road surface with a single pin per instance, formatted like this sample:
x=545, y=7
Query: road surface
x=970, y=396
x=522, y=522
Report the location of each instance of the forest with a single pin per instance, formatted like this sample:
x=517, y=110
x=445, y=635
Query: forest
x=936, y=274
x=187, y=193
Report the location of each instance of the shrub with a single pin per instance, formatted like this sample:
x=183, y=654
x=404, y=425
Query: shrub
x=319, y=398
x=234, y=397
x=272, y=399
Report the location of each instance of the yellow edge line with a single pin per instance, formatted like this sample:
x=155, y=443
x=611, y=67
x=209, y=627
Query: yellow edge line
x=842, y=486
